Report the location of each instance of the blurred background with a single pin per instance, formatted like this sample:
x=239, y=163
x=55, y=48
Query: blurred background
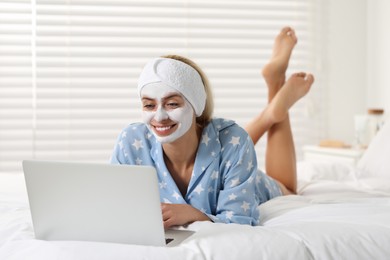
x=69, y=68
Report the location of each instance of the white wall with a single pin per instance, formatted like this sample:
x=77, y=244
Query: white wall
x=346, y=65
x=358, y=62
x=378, y=53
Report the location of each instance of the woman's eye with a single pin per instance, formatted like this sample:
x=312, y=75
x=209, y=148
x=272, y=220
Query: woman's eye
x=173, y=105
x=149, y=106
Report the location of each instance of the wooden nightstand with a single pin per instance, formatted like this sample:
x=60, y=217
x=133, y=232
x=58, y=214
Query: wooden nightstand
x=313, y=153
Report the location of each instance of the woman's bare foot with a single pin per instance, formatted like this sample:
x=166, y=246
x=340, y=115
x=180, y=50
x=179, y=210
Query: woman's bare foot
x=297, y=86
x=274, y=71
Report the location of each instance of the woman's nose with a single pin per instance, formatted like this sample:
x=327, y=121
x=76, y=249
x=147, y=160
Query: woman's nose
x=161, y=114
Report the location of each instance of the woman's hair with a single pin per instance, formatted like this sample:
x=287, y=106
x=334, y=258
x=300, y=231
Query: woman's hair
x=207, y=114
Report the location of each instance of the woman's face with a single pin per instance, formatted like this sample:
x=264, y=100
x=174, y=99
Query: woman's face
x=166, y=112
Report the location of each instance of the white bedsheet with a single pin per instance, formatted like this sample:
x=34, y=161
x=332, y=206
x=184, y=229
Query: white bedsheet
x=335, y=217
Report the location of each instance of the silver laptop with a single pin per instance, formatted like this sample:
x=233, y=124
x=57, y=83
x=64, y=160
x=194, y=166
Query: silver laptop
x=96, y=202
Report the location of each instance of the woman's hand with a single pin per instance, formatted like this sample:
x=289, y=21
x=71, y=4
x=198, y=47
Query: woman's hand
x=180, y=214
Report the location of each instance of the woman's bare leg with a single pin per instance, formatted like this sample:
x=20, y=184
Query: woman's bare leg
x=274, y=75
x=280, y=153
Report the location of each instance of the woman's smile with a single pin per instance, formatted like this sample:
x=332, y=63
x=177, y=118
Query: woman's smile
x=164, y=130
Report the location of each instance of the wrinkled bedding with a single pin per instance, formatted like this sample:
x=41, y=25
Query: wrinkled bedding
x=335, y=216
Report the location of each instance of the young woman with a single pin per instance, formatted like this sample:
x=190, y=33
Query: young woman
x=206, y=166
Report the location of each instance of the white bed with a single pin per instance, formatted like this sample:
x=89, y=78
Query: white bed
x=341, y=213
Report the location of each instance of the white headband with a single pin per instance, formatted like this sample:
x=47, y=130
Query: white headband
x=177, y=75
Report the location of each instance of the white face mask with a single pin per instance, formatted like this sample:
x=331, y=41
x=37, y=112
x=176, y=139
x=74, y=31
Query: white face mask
x=181, y=116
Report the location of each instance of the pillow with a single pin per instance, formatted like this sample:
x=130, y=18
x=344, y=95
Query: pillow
x=331, y=171
x=375, y=161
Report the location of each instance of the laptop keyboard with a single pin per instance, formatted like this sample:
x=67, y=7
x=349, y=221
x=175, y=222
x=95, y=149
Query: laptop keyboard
x=168, y=240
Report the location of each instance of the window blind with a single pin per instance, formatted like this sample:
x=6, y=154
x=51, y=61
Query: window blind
x=16, y=84
x=69, y=68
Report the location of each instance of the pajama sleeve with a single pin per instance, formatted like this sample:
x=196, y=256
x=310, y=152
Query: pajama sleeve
x=238, y=201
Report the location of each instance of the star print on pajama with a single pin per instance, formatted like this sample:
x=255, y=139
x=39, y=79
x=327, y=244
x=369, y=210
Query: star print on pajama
x=225, y=184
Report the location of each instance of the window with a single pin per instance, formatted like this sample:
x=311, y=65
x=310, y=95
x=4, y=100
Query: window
x=69, y=68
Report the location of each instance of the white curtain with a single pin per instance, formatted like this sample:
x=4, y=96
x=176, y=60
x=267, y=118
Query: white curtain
x=68, y=68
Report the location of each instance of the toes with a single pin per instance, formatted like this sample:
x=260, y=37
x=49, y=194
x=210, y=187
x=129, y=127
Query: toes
x=300, y=74
x=289, y=32
x=286, y=30
x=309, y=78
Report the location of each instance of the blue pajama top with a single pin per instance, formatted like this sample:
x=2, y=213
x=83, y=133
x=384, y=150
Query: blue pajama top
x=225, y=184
